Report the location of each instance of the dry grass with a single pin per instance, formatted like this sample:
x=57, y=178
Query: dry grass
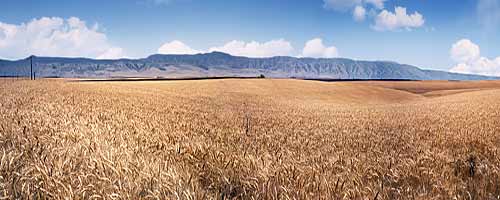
x=246, y=139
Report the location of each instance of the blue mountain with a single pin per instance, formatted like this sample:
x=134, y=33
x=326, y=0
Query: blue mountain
x=222, y=64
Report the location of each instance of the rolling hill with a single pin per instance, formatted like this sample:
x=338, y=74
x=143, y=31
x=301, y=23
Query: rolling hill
x=249, y=139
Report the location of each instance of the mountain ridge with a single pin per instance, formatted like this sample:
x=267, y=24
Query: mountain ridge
x=223, y=64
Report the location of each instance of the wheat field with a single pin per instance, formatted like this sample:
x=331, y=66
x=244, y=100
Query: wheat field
x=249, y=139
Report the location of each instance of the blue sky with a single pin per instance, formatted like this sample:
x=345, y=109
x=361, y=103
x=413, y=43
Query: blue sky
x=426, y=36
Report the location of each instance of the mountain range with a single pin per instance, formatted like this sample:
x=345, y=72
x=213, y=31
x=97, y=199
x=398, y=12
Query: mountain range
x=222, y=64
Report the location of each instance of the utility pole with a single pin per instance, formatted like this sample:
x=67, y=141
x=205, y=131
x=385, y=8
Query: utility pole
x=31, y=64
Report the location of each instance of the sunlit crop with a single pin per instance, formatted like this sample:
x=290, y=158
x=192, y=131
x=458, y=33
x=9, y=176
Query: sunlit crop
x=248, y=139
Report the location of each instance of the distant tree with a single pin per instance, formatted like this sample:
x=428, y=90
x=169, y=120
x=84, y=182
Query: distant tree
x=262, y=76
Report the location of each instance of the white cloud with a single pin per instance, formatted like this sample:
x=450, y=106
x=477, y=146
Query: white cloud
x=468, y=57
x=176, y=47
x=359, y=13
x=55, y=37
x=271, y=48
x=281, y=47
x=388, y=21
x=385, y=20
x=316, y=49
x=112, y=53
x=465, y=51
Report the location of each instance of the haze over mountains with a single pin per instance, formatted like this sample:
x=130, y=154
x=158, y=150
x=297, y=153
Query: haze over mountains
x=222, y=64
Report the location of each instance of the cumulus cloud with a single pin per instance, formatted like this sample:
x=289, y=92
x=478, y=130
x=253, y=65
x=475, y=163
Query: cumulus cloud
x=465, y=51
x=176, y=47
x=271, y=48
x=313, y=48
x=468, y=57
x=385, y=20
x=55, y=37
x=388, y=21
x=316, y=49
x=359, y=13
x=112, y=53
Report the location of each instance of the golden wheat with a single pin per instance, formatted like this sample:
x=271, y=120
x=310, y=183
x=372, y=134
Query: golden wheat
x=247, y=139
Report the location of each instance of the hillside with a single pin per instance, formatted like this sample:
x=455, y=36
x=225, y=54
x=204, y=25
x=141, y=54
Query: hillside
x=221, y=64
